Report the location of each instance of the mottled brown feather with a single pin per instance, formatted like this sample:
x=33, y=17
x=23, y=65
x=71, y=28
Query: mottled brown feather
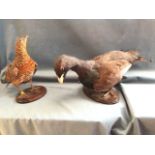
x=102, y=72
x=110, y=73
x=23, y=66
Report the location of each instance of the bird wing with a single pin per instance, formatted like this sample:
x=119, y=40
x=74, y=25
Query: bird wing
x=110, y=73
x=111, y=55
x=26, y=72
x=9, y=74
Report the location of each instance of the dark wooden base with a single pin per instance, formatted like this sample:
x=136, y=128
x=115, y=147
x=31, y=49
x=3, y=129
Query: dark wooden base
x=31, y=94
x=110, y=97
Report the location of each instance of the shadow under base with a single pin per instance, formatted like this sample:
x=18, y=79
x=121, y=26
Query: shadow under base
x=110, y=97
x=31, y=94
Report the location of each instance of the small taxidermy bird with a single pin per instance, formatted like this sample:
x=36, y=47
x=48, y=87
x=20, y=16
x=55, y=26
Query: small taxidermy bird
x=23, y=67
x=100, y=74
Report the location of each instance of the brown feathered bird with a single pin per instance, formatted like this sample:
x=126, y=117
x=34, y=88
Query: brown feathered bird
x=100, y=74
x=23, y=67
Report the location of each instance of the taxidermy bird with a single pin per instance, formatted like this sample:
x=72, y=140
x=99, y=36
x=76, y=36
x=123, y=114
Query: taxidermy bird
x=100, y=74
x=23, y=67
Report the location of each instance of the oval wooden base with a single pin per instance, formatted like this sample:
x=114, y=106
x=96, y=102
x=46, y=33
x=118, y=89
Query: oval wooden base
x=31, y=94
x=110, y=97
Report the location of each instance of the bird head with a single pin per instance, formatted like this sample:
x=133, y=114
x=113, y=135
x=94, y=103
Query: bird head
x=61, y=68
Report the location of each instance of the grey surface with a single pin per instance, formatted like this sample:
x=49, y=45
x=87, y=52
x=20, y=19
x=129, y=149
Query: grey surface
x=64, y=110
x=81, y=38
x=140, y=99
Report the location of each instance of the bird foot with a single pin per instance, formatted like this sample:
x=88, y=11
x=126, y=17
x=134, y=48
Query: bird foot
x=110, y=97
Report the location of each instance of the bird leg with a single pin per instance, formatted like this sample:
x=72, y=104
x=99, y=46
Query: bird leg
x=31, y=84
x=32, y=88
x=21, y=92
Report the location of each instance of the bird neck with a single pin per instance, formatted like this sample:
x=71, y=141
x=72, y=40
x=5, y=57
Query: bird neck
x=86, y=73
x=72, y=62
x=82, y=68
x=77, y=65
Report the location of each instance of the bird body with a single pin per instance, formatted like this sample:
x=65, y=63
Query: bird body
x=23, y=67
x=18, y=74
x=100, y=74
x=110, y=73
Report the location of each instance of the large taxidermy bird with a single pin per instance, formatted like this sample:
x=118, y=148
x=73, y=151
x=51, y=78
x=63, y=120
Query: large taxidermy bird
x=100, y=74
x=22, y=68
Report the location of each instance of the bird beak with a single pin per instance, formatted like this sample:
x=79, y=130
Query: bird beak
x=61, y=79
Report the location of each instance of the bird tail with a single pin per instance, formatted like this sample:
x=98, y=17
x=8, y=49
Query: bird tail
x=21, y=44
x=142, y=59
x=135, y=56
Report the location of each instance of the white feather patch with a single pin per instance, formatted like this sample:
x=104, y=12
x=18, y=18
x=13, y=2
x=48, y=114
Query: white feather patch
x=125, y=69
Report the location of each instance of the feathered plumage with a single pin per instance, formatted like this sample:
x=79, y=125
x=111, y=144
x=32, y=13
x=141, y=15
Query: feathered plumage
x=23, y=67
x=100, y=74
